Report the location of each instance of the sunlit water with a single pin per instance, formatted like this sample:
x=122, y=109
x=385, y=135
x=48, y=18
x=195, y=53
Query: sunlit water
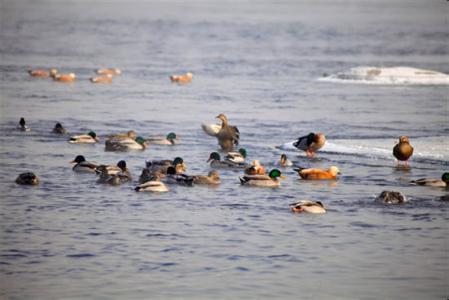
x=258, y=63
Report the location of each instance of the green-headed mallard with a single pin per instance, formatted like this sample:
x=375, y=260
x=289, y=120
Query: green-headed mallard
x=169, y=139
x=270, y=180
x=443, y=182
x=310, y=143
x=391, y=197
x=284, y=161
x=174, y=178
x=318, y=174
x=307, y=206
x=216, y=162
x=59, y=129
x=228, y=136
x=153, y=185
x=403, y=150
x=236, y=157
x=186, y=78
x=23, y=126
x=213, y=178
x=125, y=144
x=90, y=138
x=84, y=166
x=27, y=178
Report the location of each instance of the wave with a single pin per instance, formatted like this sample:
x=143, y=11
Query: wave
x=388, y=76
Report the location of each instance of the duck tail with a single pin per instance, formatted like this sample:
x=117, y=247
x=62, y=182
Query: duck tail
x=137, y=188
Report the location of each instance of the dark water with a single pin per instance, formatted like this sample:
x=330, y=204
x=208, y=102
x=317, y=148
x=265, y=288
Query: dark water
x=257, y=63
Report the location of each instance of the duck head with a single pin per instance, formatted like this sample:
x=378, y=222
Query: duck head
x=171, y=137
x=445, y=177
x=140, y=140
x=92, y=134
x=58, y=126
x=334, y=170
x=283, y=158
x=275, y=173
x=132, y=134
x=122, y=165
x=78, y=159
x=22, y=122
x=242, y=151
x=223, y=119
x=404, y=139
x=214, y=156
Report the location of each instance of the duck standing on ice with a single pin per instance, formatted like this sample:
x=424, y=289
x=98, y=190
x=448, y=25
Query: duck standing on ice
x=310, y=143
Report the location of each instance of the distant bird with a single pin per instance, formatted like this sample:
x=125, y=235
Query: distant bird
x=23, y=126
x=126, y=144
x=174, y=178
x=307, y=206
x=403, y=150
x=310, y=143
x=228, y=136
x=216, y=162
x=270, y=180
x=153, y=185
x=43, y=73
x=318, y=174
x=186, y=78
x=59, y=129
x=391, y=197
x=213, y=178
x=443, y=182
x=284, y=161
x=102, y=79
x=89, y=138
x=67, y=78
x=169, y=139
x=237, y=157
x=255, y=168
x=83, y=166
x=110, y=71
x=27, y=178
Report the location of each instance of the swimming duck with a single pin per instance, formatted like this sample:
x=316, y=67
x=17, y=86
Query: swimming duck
x=175, y=178
x=114, y=170
x=90, y=138
x=112, y=179
x=83, y=166
x=307, y=206
x=125, y=144
x=310, y=143
x=27, y=178
x=110, y=71
x=162, y=165
x=216, y=162
x=391, y=197
x=255, y=168
x=403, y=150
x=236, y=157
x=43, y=73
x=23, y=126
x=213, y=178
x=284, y=161
x=122, y=136
x=443, y=182
x=153, y=185
x=102, y=79
x=59, y=129
x=186, y=78
x=270, y=180
x=148, y=175
x=170, y=139
x=67, y=78
x=317, y=174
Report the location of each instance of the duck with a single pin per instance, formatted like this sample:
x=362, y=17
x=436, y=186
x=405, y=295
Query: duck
x=307, y=206
x=173, y=177
x=255, y=168
x=112, y=179
x=443, y=182
x=67, y=78
x=403, y=150
x=391, y=197
x=211, y=129
x=81, y=165
x=213, y=178
x=59, y=129
x=216, y=162
x=114, y=170
x=23, y=126
x=310, y=143
x=27, y=178
x=186, y=78
x=102, y=79
x=153, y=185
x=284, y=161
x=89, y=138
x=109, y=71
x=126, y=144
x=237, y=157
x=147, y=175
x=318, y=174
x=131, y=134
x=270, y=180
x=43, y=73
x=228, y=136
x=169, y=139
x=162, y=165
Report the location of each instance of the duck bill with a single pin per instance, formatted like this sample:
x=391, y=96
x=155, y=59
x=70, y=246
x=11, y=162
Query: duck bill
x=282, y=177
x=72, y=162
x=209, y=160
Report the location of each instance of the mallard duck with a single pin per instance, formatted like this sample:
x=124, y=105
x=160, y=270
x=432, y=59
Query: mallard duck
x=236, y=157
x=123, y=136
x=90, y=138
x=83, y=166
x=148, y=175
x=125, y=144
x=310, y=143
x=403, y=150
x=112, y=179
x=391, y=197
x=43, y=73
x=216, y=162
x=255, y=168
x=284, y=161
x=212, y=178
x=270, y=180
x=307, y=206
x=114, y=170
x=23, y=126
x=71, y=77
x=186, y=78
x=170, y=139
x=174, y=178
x=110, y=71
x=153, y=185
x=102, y=79
x=162, y=165
x=443, y=182
x=228, y=136
x=317, y=174
x=27, y=178
x=59, y=129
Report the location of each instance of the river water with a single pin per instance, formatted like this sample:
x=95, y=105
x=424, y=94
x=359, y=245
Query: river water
x=257, y=62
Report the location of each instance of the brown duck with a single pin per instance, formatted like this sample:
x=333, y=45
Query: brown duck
x=228, y=136
x=403, y=150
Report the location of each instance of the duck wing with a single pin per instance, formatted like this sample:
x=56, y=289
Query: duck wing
x=301, y=143
x=211, y=129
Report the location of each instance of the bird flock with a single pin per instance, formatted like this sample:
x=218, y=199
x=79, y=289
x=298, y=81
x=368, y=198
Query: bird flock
x=158, y=175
